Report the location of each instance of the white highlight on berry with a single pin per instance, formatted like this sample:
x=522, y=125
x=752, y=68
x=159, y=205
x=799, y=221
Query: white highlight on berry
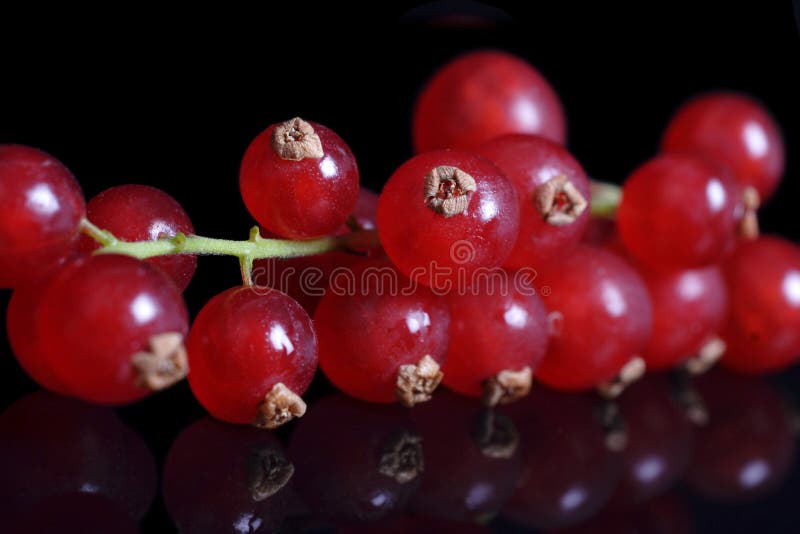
x=715, y=195
x=328, y=167
x=488, y=209
x=526, y=114
x=417, y=320
x=649, y=469
x=279, y=339
x=755, y=138
x=143, y=309
x=42, y=199
x=754, y=473
x=613, y=301
x=573, y=498
x=791, y=287
x=516, y=316
x=690, y=286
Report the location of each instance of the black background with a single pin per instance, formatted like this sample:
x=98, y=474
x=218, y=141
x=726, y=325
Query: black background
x=173, y=99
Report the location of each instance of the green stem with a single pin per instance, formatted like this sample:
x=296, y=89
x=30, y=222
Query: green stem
x=605, y=199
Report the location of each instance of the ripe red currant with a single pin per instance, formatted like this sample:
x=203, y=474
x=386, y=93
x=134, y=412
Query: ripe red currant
x=444, y=215
x=42, y=210
x=483, y=95
x=299, y=179
x=252, y=353
x=732, y=130
x=139, y=213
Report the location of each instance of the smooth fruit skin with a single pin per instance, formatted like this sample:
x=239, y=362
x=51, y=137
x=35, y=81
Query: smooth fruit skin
x=689, y=308
x=441, y=251
x=529, y=161
x=600, y=317
x=492, y=331
x=42, y=209
x=679, y=212
x=483, y=95
x=763, y=329
x=96, y=314
x=243, y=342
x=141, y=213
x=367, y=333
x=299, y=199
x=732, y=130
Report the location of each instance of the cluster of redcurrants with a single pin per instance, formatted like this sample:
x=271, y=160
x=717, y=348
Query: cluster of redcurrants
x=492, y=195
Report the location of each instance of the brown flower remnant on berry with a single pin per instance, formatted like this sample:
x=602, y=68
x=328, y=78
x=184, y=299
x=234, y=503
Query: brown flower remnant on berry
x=709, y=354
x=507, y=386
x=402, y=457
x=689, y=400
x=268, y=472
x=630, y=373
x=559, y=201
x=280, y=405
x=495, y=435
x=296, y=140
x=415, y=383
x=748, y=226
x=164, y=364
x=447, y=190
x=616, y=434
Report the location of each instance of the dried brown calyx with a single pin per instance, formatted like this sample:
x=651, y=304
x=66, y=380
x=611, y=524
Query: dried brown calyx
x=416, y=383
x=495, y=435
x=688, y=399
x=709, y=354
x=268, y=472
x=614, y=428
x=402, y=457
x=448, y=189
x=748, y=226
x=630, y=373
x=507, y=386
x=296, y=140
x=164, y=364
x=558, y=201
x=280, y=405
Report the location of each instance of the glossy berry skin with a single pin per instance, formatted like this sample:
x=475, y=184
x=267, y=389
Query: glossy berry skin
x=689, y=309
x=42, y=209
x=529, y=161
x=299, y=199
x=365, y=212
x=242, y=343
x=747, y=412
x=140, y=213
x=763, y=329
x=600, y=317
x=483, y=95
x=96, y=314
x=490, y=332
x=679, y=212
x=236, y=481
x=367, y=333
x=436, y=250
x=734, y=131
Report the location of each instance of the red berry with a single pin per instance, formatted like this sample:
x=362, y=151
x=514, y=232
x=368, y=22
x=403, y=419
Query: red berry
x=112, y=329
x=378, y=339
x=42, y=210
x=483, y=95
x=732, y=130
x=552, y=217
x=498, y=336
x=365, y=212
x=223, y=478
x=252, y=353
x=299, y=179
x=689, y=309
x=140, y=213
x=600, y=317
x=763, y=330
x=679, y=212
x=445, y=214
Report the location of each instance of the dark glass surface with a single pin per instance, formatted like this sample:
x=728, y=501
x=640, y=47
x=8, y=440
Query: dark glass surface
x=168, y=100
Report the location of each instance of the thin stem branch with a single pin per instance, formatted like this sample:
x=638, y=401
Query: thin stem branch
x=605, y=199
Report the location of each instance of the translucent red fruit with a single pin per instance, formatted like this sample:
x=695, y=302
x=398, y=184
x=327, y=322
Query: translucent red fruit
x=551, y=222
x=252, y=353
x=600, y=318
x=444, y=215
x=380, y=338
x=112, y=329
x=140, y=213
x=42, y=209
x=224, y=478
x=763, y=329
x=732, y=130
x=498, y=336
x=689, y=309
x=299, y=179
x=483, y=95
x=678, y=212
